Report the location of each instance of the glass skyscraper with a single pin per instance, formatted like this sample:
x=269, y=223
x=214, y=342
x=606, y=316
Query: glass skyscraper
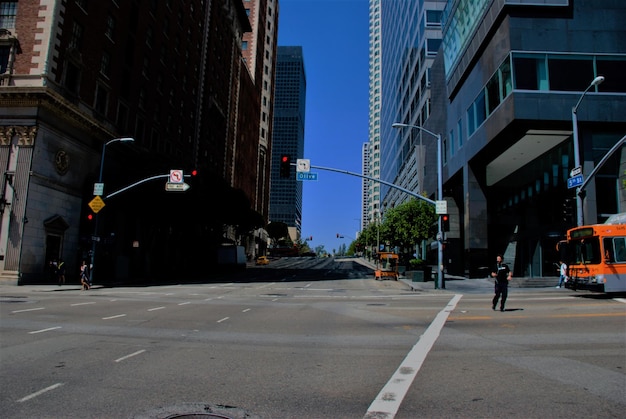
x=288, y=137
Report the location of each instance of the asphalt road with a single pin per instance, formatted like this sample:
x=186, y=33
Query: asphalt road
x=314, y=341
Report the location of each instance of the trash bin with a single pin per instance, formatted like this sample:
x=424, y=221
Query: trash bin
x=418, y=276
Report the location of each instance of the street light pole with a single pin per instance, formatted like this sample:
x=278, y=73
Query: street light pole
x=579, y=199
x=440, y=276
x=95, y=237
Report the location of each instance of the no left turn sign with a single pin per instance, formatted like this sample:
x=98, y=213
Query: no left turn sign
x=176, y=176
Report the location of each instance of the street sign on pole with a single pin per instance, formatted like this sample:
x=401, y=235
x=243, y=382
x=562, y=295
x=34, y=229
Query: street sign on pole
x=575, y=181
x=176, y=176
x=96, y=204
x=576, y=171
x=176, y=187
x=98, y=188
x=303, y=165
x=306, y=176
x=441, y=207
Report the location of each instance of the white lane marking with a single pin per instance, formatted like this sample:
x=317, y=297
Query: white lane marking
x=40, y=392
x=82, y=304
x=113, y=317
x=620, y=300
x=44, y=330
x=224, y=319
x=28, y=309
x=388, y=401
x=130, y=355
x=185, y=303
x=246, y=310
x=156, y=308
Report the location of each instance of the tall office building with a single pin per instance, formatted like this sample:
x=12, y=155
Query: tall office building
x=404, y=38
x=372, y=195
x=259, y=52
x=365, y=168
x=288, y=137
x=503, y=87
x=75, y=77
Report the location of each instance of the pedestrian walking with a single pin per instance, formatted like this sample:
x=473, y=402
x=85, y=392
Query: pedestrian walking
x=61, y=272
x=502, y=275
x=562, y=273
x=84, y=276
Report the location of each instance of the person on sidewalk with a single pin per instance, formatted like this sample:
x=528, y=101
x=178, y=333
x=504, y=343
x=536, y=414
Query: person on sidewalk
x=61, y=272
x=84, y=276
x=562, y=273
x=503, y=275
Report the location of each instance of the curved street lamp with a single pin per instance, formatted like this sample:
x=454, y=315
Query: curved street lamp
x=95, y=237
x=440, y=276
x=579, y=199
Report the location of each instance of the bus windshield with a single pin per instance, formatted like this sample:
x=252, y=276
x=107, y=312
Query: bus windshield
x=586, y=251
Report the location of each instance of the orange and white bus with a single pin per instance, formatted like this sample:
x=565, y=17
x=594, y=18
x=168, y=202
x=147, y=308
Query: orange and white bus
x=596, y=257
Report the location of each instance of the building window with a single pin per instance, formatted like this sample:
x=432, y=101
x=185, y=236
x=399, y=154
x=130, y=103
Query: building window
x=567, y=73
x=433, y=17
x=8, y=12
x=102, y=99
x=110, y=27
x=76, y=39
x=5, y=52
x=432, y=45
x=72, y=77
x=105, y=64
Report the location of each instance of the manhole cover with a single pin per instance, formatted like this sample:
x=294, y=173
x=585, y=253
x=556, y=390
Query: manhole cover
x=198, y=411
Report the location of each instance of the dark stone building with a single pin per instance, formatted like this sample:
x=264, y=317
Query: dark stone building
x=79, y=75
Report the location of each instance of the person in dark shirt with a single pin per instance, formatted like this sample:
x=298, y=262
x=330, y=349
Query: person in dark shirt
x=503, y=275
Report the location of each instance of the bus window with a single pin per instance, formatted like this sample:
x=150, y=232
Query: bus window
x=609, y=252
x=615, y=249
x=620, y=252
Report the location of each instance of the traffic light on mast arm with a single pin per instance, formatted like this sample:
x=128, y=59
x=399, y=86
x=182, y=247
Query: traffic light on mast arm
x=285, y=166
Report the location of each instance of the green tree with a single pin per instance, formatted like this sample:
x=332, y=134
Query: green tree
x=403, y=226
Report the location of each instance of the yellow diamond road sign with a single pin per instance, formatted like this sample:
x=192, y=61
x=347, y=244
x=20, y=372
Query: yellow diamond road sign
x=96, y=204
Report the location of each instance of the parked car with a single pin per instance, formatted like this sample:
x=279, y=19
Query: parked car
x=262, y=260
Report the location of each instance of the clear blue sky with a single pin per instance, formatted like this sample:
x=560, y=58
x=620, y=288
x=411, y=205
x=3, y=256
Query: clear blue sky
x=333, y=35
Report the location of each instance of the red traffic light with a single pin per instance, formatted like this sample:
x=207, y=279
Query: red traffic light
x=285, y=166
x=194, y=172
x=90, y=217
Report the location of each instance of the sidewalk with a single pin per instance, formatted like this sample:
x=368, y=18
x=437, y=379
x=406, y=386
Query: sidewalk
x=454, y=283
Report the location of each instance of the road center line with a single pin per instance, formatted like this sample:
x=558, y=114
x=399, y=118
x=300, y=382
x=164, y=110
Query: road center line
x=130, y=355
x=388, y=401
x=44, y=330
x=40, y=392
x=28, y=309
x=113, y=317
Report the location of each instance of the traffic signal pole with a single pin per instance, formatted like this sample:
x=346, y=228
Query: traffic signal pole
x=346, y=172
